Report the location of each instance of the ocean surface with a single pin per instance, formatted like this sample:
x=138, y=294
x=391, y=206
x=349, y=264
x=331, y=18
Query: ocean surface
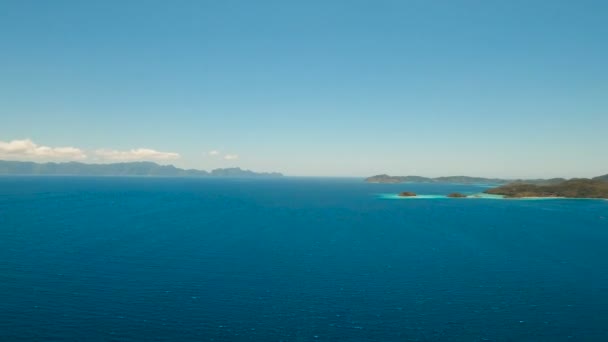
x=294, y=259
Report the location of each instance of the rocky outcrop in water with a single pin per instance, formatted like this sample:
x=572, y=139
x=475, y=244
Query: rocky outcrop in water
x=456, y=195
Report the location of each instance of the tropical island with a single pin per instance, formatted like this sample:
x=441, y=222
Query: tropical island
x=19, y=168
x=574, y=188
x=535, y=188
x=386, y=179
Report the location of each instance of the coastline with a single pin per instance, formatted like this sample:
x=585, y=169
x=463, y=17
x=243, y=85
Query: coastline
x=478, y=196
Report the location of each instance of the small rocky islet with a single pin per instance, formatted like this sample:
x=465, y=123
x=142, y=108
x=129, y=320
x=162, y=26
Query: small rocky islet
x=456, y=195
x=413, y=194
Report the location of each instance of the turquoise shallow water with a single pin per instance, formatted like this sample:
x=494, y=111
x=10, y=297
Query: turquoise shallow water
x=477, y=196
x=136, y=259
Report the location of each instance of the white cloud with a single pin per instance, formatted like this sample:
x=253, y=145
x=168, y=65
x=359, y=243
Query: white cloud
x=231, y=157
x=214, y=153
x=135, y=154
x=27, y=149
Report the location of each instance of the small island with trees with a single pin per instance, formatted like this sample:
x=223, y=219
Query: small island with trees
x=456, y=195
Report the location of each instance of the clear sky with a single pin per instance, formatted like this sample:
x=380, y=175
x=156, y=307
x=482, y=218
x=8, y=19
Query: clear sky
x=337, y=88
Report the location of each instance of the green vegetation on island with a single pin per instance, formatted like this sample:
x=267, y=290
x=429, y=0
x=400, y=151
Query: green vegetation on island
x=574, y=188
x=602, y=178
x=458, y=180
x=119, y=169
x=544, y=188
x=456, y=195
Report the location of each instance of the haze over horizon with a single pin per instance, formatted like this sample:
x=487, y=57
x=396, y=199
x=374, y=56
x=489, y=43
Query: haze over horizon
x=346, y=88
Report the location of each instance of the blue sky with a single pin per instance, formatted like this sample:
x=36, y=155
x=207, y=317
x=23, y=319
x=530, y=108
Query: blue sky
x=336, y=88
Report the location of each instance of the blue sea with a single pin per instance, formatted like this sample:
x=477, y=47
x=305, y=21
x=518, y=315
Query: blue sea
x=294, y=259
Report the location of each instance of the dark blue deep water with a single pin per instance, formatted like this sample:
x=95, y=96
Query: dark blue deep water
x=136, y=259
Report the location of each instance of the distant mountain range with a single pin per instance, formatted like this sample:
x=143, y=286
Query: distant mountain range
x=119, y=169
x=458, y=180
